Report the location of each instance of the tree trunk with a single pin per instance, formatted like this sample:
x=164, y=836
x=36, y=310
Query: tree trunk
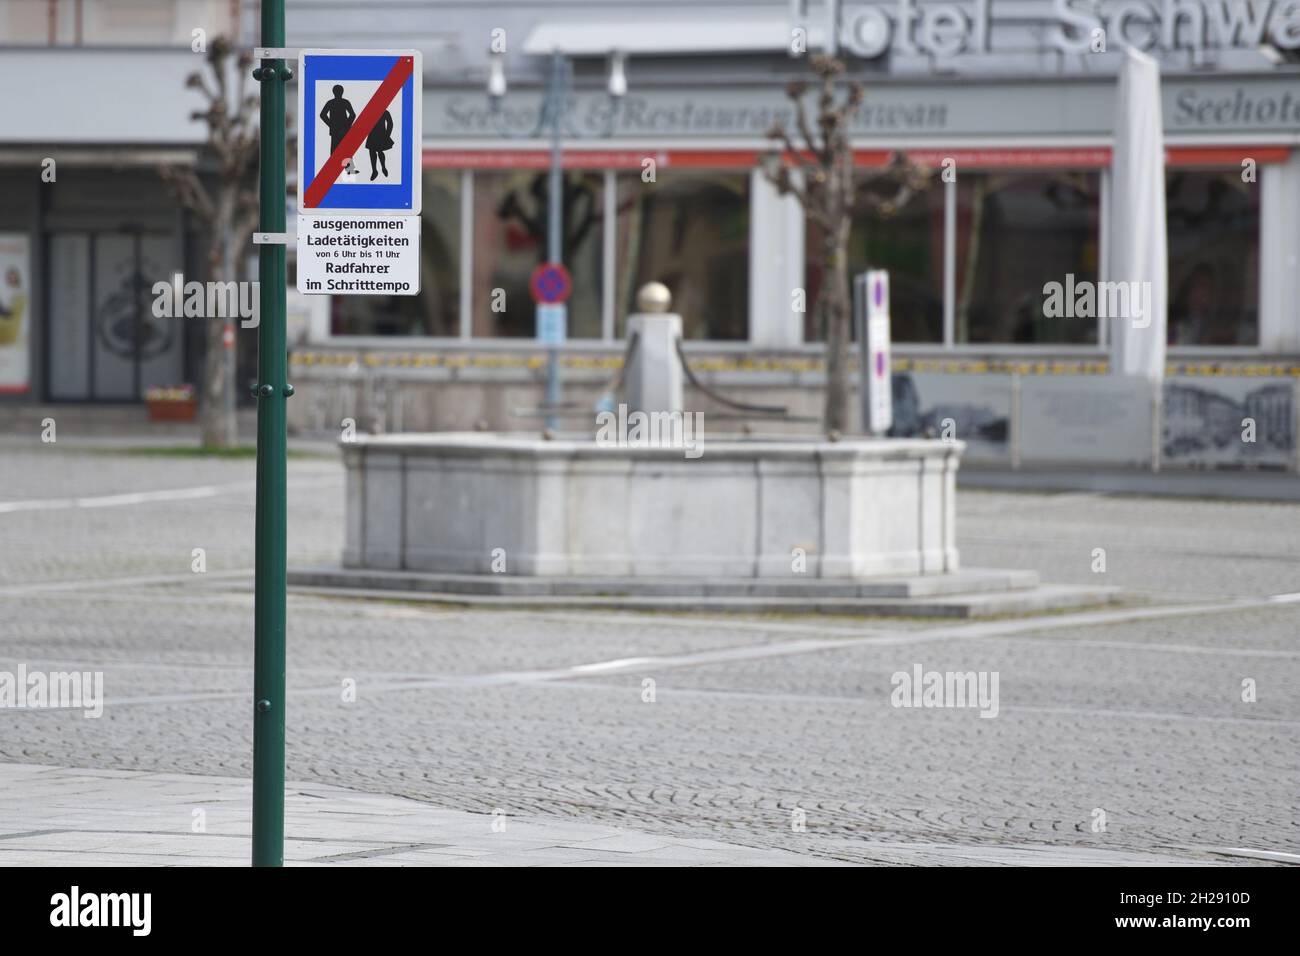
x=216, y=404
x=836, y=414
x=972, y=262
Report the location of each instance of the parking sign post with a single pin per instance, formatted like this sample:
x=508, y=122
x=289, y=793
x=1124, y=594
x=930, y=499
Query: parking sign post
x=272, y=391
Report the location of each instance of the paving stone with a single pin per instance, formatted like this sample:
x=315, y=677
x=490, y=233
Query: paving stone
x=461, y=713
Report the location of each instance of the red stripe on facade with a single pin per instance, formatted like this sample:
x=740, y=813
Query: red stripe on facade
x=1225, y=155
x=1019, y=158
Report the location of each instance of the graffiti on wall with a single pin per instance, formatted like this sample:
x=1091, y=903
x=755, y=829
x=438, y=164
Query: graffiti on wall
x=1220, y=422
x=1228, y=422
x=975, y=409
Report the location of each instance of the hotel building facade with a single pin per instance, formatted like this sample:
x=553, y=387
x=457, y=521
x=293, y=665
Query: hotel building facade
x=1017, y=96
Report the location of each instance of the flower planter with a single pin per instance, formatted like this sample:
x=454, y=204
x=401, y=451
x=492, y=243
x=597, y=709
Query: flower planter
x=172, y=411
x=172, y=403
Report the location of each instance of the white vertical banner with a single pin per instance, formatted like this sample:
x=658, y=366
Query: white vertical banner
x=15, y=313
x=1137, y=257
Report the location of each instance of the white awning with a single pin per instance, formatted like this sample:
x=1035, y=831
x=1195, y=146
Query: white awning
x=666, y=36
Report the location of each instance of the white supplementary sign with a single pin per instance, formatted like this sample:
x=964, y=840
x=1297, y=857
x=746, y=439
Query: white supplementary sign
x=359, y=255
x=552, y=323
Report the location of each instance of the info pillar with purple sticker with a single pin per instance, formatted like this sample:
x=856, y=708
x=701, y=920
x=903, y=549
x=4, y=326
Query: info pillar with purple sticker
x=871, y=305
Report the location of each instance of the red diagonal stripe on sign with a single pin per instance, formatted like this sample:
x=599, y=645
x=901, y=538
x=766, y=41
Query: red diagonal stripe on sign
x=360, y=129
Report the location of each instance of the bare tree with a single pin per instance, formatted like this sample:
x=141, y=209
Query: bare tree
x=228, y=210
x=819, y=172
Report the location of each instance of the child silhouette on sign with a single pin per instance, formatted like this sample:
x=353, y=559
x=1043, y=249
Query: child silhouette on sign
x=337, y=114
x=379, y=142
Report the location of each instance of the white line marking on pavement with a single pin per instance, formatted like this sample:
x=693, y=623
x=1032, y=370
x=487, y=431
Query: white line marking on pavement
x=989, y=629
x=145, y=497
x=857, y=700
x=40, y=587
x=1277, y=855
x=1149, y=715
x=116, y=501
x=557, y=679
x=191, y=666
x=1159, y=648
x=853, y=637
x=213, y=596
x=621, y=663
x=976, y=629
x=1147, y=549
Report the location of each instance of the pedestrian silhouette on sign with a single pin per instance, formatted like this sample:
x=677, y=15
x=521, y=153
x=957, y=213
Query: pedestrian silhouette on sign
x=379, y=142
x=337, y=114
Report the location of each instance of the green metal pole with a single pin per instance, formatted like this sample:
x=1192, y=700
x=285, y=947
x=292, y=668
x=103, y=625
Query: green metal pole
x=273, y=390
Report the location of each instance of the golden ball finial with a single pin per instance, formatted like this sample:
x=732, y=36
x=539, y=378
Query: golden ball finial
x=654, y=297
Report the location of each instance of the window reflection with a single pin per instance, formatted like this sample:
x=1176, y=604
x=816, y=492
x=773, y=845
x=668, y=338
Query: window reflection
x=909, y=244
x=510, y=241
x=690, y=231
x=436, y=310
x=1213, y=258
x=1015, y=233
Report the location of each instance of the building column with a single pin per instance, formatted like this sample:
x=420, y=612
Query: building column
x=1279, y=255
x=776, y=267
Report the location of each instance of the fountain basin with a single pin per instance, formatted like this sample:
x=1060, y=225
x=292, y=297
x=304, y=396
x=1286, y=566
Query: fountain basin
x=482, y=503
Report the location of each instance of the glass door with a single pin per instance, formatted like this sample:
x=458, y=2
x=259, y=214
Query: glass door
x=105, y=343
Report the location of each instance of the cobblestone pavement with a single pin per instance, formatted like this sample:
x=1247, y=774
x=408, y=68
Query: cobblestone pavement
x=1130, y=714
x=56, y=816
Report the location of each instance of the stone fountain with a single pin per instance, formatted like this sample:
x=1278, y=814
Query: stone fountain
x=852, y=522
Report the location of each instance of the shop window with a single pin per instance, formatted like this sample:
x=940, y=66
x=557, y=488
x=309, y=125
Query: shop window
x=908, y=243
x=690, y=231
x=1213, y=258
x=510, y=241
x=1016, y=232
x=436, y=310
x=130, y=21
x=23, y=23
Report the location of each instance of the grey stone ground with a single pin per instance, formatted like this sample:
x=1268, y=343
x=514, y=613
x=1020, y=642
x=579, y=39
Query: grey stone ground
x=1137, y=713
x=127, y=818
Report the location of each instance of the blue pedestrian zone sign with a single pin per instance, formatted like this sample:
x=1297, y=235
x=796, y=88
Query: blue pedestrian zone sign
x=359, y=131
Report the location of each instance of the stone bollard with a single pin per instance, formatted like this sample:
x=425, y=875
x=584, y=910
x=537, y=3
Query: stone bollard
x=653, y=382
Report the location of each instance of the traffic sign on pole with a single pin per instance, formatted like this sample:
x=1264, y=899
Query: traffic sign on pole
x=272, y=391
x=550, y=284
x=552, y=322
x=359, y=137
